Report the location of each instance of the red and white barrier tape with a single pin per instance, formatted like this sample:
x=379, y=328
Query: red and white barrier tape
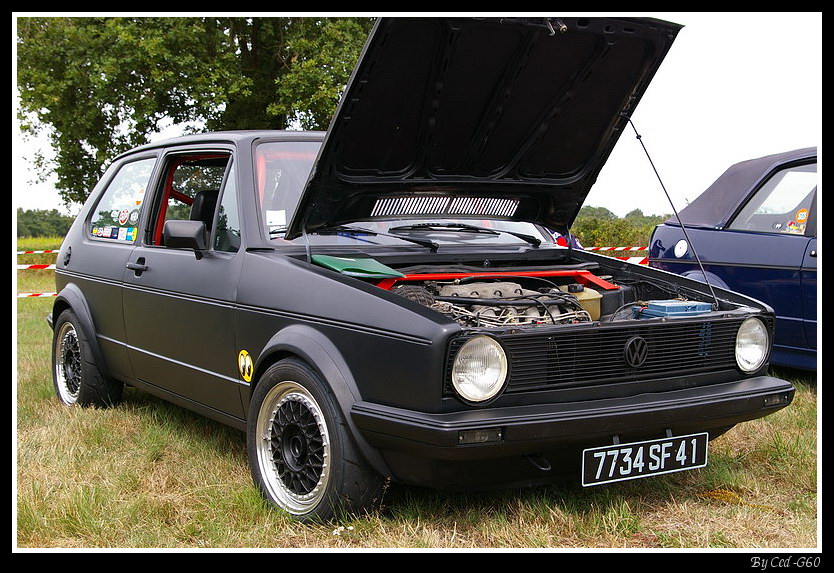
x=35, y=294
x=635, y=260
x=45, y=266
x=52, y=266
x=616, y=248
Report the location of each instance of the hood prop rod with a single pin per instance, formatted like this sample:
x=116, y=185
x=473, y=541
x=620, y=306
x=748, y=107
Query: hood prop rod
x=671, y=204
x=307, y=248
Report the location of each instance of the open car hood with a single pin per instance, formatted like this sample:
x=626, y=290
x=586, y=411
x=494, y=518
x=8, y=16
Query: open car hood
x=490, y=118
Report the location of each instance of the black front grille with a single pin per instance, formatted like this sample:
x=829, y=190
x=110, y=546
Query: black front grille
x=595, y=355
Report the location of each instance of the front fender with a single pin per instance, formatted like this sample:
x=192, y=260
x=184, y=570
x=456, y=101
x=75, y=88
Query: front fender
x=322, y=355
x=713, y=279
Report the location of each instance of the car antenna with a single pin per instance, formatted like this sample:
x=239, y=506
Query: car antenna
x=668, y=198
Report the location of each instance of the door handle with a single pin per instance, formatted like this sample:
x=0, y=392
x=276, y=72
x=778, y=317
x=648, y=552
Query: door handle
x=138, y=267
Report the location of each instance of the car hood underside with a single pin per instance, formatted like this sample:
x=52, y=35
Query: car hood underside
x=481, y=117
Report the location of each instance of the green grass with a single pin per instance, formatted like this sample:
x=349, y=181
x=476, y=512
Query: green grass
x=150, y=474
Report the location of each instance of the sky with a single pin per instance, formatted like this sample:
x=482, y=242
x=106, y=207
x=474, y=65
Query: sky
x=734, y=86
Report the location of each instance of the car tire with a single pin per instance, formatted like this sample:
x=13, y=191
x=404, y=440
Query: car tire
x=76, y=377
x=301, y=453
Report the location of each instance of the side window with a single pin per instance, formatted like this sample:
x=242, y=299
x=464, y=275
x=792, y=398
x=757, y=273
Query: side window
x=117, y=214
x=190, y=186
x=227, y=227
x=784, y=204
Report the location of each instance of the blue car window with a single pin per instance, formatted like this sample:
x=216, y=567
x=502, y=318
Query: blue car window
x=783, y=204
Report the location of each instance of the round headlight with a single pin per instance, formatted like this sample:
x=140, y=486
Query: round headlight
x=479, y=369
x=752, y=344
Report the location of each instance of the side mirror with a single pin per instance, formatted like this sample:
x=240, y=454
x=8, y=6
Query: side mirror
x=185, y=235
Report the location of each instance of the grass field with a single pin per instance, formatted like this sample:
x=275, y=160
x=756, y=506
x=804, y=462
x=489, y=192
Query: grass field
x=147, y=474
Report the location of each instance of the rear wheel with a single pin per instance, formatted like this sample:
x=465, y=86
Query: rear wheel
x=76, y=377
x=301, y=454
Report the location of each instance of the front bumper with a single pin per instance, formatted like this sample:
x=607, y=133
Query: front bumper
x=408, y=436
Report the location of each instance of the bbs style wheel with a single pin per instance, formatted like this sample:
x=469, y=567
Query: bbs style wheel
x=294, y=447
x=301, y=455
x=67, y=363
x=76, y=377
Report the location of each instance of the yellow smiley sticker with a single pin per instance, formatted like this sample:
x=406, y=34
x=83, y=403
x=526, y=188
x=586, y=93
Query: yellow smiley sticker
x=801, y=215
x=244, y=364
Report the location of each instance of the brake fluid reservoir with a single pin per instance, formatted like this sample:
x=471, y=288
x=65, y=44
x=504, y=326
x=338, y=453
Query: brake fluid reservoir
x=588, y=298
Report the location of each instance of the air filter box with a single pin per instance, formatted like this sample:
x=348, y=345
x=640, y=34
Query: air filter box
x=670, y=308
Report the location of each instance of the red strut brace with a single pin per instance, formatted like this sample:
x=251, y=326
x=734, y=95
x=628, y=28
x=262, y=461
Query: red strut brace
x=584, y=277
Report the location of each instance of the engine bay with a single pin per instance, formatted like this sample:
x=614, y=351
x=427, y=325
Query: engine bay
x=548, y=297
x=498, y=302
x=511, y=294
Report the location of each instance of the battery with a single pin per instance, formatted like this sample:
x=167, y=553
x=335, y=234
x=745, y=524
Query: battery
x=670, y=308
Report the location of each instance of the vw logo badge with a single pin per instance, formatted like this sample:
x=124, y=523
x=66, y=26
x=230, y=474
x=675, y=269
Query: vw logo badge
x=636, y=351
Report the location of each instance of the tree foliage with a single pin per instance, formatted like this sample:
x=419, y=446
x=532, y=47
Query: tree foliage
x=100, y=86
x=42, y=223
x=599, y=227
x=589, y=212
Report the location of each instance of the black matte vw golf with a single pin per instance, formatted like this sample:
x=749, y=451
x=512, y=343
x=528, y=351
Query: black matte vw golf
x=385, y=300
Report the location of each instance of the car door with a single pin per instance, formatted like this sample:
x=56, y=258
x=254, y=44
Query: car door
x=809, y=293
x=773, y=233
x=97, y=265
x=178, y=303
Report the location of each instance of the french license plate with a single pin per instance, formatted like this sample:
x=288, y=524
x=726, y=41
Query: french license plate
x=621, y=462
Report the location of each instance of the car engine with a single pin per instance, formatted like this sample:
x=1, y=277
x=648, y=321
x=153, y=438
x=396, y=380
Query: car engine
x=497, y=303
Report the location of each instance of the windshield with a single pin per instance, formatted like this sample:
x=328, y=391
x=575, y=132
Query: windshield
x=443, y=230
x=282, y=169
x=440, y=231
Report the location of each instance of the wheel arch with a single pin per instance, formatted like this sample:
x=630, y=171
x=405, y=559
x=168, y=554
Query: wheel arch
x=319, y=352
x=713, y=278
x=71, y=298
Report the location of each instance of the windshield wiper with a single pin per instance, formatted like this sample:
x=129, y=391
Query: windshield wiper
x=466, y=228
x=360, y=231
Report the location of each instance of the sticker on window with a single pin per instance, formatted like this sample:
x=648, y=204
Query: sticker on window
x=114, y=232
x=276, y=218
x=802, y=215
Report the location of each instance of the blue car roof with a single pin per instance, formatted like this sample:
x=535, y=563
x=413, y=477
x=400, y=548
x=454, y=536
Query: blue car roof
x=716, y=206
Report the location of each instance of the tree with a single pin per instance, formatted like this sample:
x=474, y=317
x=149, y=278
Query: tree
x=588, y=212
x=100, y=86
x=42, y=223
x=637, y=217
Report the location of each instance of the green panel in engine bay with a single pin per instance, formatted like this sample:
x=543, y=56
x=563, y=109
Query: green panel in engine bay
x=365, y=268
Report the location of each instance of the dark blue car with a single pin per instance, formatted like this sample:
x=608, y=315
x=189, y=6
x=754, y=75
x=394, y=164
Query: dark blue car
x=755, y=231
